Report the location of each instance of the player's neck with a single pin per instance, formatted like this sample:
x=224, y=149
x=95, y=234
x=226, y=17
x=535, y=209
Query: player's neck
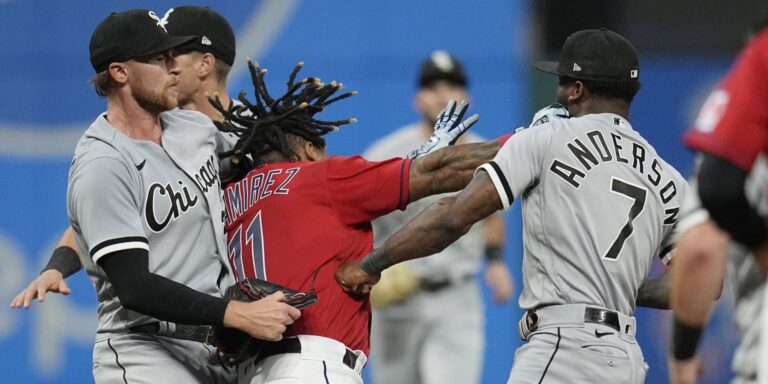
x=595, y=105
x=199, y=101
x=133, y=120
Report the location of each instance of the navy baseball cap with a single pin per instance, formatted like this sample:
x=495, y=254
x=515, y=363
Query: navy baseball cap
x=130, y=34
x=596, y=54
x=214, y=34
x=441, y=65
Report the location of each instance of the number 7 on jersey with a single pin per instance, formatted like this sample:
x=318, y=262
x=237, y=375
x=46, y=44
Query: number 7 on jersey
x=637, y=194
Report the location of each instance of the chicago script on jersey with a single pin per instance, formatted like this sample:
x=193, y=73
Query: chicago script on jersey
x=160, y=196
x=207, y=175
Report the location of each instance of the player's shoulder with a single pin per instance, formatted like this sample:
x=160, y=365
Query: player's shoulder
x=183, y=116
x=396, y=144
x=100, y=140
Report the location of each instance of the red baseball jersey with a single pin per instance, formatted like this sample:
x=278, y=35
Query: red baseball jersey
x=733, y=123
x=294, y=223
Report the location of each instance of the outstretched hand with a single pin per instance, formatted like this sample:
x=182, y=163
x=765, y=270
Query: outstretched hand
x=49, y=281
x=448, y=128
x=353, y=280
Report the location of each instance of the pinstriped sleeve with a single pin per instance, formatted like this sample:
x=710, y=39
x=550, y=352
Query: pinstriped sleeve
x=104, y=207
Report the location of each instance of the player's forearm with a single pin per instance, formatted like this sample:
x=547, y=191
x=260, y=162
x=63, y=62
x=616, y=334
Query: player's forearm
x=153, y=295
x=654, y=293
x=449, y=169
x=697, y=273
x=436, y=229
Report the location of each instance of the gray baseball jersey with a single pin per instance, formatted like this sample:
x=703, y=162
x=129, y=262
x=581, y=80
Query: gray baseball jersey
x=463, y=257
x=125, y=194
x=598, y=205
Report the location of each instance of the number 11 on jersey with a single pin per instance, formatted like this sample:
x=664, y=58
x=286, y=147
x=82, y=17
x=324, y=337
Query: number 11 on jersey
x=251, y=262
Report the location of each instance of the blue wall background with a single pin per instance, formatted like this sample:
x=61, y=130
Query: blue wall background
x=372, y=47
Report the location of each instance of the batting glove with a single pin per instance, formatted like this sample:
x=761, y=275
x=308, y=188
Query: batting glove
x=448, y=128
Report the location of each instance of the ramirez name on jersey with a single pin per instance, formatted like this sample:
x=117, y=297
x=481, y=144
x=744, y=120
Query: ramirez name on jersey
x=254, y=187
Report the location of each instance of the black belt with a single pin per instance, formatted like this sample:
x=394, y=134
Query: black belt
x=199, y=333
x=293, y=345
x=602, y=316
x=591, y=315
x=437, y=285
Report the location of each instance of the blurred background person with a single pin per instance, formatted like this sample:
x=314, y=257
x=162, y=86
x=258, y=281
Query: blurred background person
x=428, y=313
x=728, y=203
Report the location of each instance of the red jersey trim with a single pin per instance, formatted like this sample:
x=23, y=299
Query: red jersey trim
x=707, y=143
x=405, y=179
x=503, y=139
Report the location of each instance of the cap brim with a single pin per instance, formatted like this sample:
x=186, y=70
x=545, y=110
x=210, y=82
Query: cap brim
x=170, y=42
x=547, y=66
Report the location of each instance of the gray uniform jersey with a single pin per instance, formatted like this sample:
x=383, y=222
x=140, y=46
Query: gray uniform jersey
x=463, y=257
x=135, y=194
x=598, y=205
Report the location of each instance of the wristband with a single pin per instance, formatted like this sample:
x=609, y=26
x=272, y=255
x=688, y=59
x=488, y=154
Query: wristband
x=685, y=339
x=493, y=253
x=375, y=263
x=65, y=260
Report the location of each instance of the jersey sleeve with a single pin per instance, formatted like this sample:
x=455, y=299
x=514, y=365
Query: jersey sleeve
x=104, y=207
x=362, y=190
x=733, y=122
x=690, y=213
x=518, y=163
x=225, y=141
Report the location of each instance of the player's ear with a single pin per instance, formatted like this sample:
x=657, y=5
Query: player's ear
x=577, y=92
x=314, y=153
x=207, y=64
x=418, y=101
x=118, y=72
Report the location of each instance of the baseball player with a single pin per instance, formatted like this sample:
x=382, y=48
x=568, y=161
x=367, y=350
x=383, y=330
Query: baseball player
x=204, y=66
x=730, y=135
x=298, y=214
x=598, y=205
x=414, y=340
x=144, y=202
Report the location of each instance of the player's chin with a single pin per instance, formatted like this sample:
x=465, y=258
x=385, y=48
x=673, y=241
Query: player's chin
x=171, y=99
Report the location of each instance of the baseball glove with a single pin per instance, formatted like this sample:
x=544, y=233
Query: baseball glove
x=237, y=346
x=397, y=283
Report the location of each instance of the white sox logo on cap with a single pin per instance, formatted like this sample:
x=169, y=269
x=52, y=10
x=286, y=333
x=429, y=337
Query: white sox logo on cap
x=161, y=22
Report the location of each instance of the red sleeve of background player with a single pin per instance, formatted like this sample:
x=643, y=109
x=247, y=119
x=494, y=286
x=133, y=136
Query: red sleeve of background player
x=733, y=123
x=362, y=190
x=503, y=139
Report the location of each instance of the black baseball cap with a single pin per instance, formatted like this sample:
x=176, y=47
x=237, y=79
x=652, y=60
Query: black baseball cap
x=130, y=34
x=215, y=35
x=441, y=65
x=596, y=54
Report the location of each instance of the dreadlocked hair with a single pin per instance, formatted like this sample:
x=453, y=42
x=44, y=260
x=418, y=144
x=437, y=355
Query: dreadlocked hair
x=273, y=124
